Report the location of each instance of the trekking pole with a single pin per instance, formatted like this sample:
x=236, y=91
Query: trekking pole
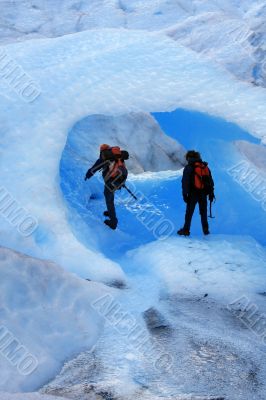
x=129, y=191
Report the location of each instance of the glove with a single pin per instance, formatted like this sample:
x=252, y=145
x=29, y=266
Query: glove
x=88, y=176
x=211, y=197
x=185, y=198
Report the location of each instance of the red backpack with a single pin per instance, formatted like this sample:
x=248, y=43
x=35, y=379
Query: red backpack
x=202, y=177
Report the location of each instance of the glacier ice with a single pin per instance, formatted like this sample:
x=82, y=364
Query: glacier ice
x=254, y=153
x=149, y=148
x=218, y=30
x=78, y=76
x=209, y=347
x=27, y=396
x=47, y=311
x=113, y=73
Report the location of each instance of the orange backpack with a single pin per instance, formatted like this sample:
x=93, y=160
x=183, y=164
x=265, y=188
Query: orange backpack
x=117, y=168
x=202, y=177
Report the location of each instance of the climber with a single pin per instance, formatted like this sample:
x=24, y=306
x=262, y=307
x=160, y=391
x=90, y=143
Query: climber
x=197, y=186
x=112, y=163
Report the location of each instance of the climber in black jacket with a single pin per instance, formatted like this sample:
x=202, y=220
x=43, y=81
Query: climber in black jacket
x=197, y=186
x=109, y=192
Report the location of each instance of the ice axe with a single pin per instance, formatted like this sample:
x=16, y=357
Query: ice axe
x=211, y=216
x=129, y=191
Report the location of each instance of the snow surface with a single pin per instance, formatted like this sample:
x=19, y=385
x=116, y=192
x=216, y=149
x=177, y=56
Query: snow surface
x=48, y=311
x=219, y=29
x=225, y=267
x=27, y=396
x=190, y=284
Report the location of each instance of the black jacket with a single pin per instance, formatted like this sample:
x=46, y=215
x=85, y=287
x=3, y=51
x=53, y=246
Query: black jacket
x=100, y=164
x=188, y=177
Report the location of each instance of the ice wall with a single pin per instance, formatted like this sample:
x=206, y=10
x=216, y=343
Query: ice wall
x=149, y=148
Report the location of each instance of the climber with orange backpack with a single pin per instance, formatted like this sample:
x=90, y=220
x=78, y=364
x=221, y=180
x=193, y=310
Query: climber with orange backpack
x=197, y=187
x=112, y=163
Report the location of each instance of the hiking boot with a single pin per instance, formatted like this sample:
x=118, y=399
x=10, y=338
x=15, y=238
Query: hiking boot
x=183, y=232
x=111, y=224
x=106, y=213
x=206, y=231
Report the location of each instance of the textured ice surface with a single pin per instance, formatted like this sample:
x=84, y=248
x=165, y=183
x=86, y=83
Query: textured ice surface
x=46, y=310
x=27, y=396
x=221, y=266
x=219, y=29
x=149, y=148
x=255, y=154
x=208, y=348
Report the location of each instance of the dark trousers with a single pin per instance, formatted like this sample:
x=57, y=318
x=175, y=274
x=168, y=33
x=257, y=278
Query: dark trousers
x=194, y=198
x=109, y=195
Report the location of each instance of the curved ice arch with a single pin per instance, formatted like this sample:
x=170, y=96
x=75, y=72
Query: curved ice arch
x=107, y=72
